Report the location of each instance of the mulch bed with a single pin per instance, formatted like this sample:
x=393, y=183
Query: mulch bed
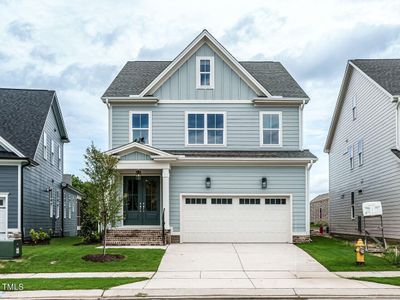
x=103, y=258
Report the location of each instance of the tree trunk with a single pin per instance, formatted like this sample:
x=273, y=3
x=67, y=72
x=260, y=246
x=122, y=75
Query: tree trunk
x=104, y=236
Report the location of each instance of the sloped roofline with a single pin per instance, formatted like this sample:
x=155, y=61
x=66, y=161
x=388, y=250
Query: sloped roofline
x=7, y=145
x=204, y=37
x=339, y=103
x=140, y=147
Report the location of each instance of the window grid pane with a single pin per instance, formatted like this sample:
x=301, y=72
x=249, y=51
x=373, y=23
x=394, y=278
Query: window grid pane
x=214, y=128
x=271, y=129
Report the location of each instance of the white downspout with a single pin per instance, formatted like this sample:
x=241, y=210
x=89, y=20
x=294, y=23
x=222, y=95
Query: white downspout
x=307, y=170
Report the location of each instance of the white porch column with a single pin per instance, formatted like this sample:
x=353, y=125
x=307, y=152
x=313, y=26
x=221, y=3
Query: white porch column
x=165, y=196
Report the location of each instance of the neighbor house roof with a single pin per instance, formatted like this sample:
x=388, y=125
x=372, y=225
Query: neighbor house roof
x=23, y=114
x=385, y=72
x=321, y=197
x=135, y=76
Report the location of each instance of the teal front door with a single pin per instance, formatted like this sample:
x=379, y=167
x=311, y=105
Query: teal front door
x=142, y=200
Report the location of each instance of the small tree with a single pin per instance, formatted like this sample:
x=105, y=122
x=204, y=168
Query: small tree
x=103, y=201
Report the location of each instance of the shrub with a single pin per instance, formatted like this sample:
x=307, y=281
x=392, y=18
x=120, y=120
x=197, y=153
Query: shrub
x=40, y=236
x=393, y=255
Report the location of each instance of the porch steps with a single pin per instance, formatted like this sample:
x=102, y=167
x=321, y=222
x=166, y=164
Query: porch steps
x=135, y=237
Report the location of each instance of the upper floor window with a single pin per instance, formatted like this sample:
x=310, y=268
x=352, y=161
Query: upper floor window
x=354, y=107
x=205, y=129
x=52, y=152
x=59, y=157
x=352, y=205
x=205, y=72
x=140, y=129
x=45, y=145
x=360, y=152
x=270, y=128
x=351, y=156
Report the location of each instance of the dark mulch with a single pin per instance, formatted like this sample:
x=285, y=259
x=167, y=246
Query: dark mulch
x=103, y=258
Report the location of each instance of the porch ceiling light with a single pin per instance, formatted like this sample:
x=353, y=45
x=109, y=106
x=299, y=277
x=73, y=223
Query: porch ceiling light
x=138, y=174
x=264, y=182
x=208, y=182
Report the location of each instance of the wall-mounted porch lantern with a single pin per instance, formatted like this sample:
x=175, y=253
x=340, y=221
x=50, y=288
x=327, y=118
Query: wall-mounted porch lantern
x=138, y=175
x=208, y=182
x=264, y=182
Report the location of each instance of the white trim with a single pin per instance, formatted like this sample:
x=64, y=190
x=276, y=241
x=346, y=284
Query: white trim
x=398, y=125
x=110, y=126
x=198, y=72
x=202, y=38
x=150, y=129
x=12, y=162
x=261, y=101
x=141, y=165
x=205, y=113
x=59, y=161
x=10, y=147
x=19, y=196
x=301, y=129
x=45, y=145
x=140, y=147
x=165, y=196
x=5, y=195
x=307, y=198
x=261, y=128
x=183, y=195
x=52, y=152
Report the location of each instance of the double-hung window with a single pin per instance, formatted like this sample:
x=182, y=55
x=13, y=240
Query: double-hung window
x=351, y=156
x=52, y=152
x=360, y=152
x=140, y=129
x=69, y=207
x=204, y=72
x=59, y=157
x=57, y=204
x=45, y=145
x=270, y=128
x=51, y=208
x=205, y=129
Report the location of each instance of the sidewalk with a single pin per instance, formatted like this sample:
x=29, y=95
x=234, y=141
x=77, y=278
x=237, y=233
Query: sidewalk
x=77, y=275
x=368, y=274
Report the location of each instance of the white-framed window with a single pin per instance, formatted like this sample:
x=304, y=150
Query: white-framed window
x=352, y=205
x=52, y=146
x=205, y=128
x=271, y=128
x=204, y=72
x=320, y=212
x=69, y=207
x=73, y=204
x=51, y=206
x=59, y=158
x=45, y=145
x=57, y=204
x=140, y=127
x=354, y=107
x=351, y=156
x=360, y=152
x=65, y=207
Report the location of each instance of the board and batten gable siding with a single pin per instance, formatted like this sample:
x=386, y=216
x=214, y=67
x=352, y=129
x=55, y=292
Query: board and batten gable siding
x=9, y=184
x=239, y=180
x=379, y=176
x=243, y=126
x=227, y=84
x=135, y=156
x=37, y=179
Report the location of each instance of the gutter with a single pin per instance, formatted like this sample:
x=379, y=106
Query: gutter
x=143, y=100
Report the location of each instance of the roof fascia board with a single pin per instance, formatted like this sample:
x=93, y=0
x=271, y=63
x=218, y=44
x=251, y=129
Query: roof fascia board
x=138, y=146
x=59, y=118
x=10, y=147
x=192, y=48
x=238, y=159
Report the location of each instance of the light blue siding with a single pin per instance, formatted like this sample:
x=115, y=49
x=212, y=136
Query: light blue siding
x=243, y=127
x=239, y=180
x=136, y=156
x=227, y=84
x=9, y=184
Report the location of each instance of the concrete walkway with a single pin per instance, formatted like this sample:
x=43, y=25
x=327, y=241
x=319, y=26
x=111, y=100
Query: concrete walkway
x=78, y=275
x=368, y=274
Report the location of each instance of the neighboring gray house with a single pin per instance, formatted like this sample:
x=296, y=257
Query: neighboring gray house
x=211, y=143
x=32, y=192
x=363, y=143
x=319, y=209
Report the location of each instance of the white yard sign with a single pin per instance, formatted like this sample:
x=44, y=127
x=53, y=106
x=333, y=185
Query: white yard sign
x=371, y=209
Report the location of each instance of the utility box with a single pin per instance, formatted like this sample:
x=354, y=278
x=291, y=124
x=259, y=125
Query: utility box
x=10, y=249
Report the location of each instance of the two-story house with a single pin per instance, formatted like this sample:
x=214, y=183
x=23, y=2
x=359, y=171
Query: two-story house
x=363, y=143
x=32, y=191
x=211, y=145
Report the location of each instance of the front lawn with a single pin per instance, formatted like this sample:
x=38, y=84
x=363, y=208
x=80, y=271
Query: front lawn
x=338, y=255
x=34, y=284
x=62, y=256
x=384, y=280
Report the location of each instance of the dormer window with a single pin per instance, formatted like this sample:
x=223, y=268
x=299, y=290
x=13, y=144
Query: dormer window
x=205, y=72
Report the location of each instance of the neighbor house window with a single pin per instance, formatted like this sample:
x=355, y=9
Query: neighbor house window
x=57, y=204
x=360, y=152
x=320, y=212
x=205, y=72
x=45, y=145
x=51, y=208
x=351, y=156
x=354, y=107
x=69, y=207
x=205, y=129
x=271, y=128
x=352, y=206
x=65, y=207
x=140, y=131
x=59, y=158
x=52, y=152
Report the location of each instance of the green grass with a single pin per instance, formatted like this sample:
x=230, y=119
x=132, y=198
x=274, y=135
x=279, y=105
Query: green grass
x=338, y=255
x=34, y=284
x=384, y=280
x=62, y=256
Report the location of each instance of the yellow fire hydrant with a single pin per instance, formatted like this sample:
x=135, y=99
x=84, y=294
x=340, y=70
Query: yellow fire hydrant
x=360, y=252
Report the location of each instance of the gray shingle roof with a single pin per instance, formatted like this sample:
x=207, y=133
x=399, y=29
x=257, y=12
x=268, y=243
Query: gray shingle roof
x=244, y=154
x=23, y=114
x=321, y=197
x=135, y=76
x=385, y=72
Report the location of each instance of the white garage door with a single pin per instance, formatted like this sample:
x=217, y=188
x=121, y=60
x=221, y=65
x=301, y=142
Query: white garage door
x=238, y=219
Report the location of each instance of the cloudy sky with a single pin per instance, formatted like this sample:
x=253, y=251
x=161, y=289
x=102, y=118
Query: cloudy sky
x=77, y=48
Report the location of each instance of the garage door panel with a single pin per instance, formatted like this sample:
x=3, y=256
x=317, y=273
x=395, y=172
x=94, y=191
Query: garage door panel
x=243, y=219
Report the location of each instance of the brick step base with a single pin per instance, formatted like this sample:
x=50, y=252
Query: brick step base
x=136, y=237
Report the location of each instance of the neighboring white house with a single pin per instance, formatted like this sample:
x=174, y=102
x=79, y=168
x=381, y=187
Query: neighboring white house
x=212, y=144
x=363, y=143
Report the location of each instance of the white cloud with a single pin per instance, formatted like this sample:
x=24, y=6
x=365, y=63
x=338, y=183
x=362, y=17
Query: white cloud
x=78, y=47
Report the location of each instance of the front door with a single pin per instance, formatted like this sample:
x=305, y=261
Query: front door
x=3, y=217
x=142, y=200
